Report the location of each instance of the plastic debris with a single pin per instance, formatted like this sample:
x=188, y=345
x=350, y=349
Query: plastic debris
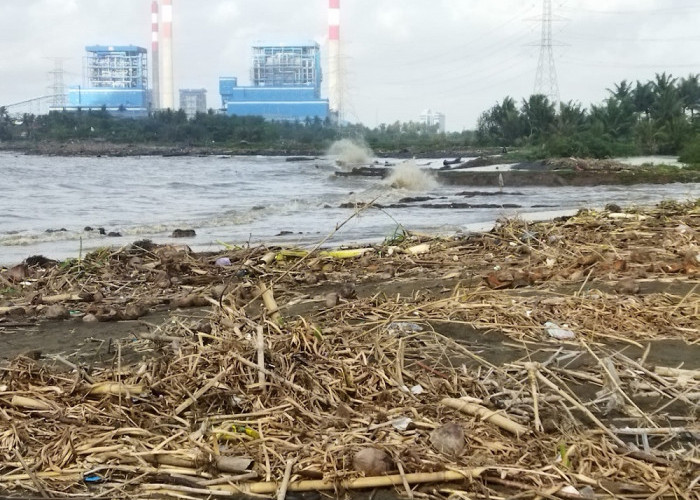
x=401, y=423
x=417, y=389
x=222, y=262
x=404, y=327
x=554, y=331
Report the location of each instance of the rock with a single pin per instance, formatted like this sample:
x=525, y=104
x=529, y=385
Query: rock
x=17, y=273
x=134, y=311
x=627, y=286
x=331, y=299
x=39, y=261
x=347, y=291
x=90, y=318
x=56, y=311
x=612, y=207
x=448, y=439
x=114, y=234
x=183, y=233
x=372, y=461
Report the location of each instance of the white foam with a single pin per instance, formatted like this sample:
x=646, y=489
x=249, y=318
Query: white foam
x=408, y=175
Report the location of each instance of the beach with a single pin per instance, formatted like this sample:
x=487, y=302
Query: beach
x=526, y=357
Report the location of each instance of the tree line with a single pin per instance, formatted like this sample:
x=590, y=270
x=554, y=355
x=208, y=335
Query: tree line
x=660, y=116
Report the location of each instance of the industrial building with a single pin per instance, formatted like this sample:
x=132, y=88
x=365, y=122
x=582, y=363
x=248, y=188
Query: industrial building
x=193, y=101
x=432, y=118
x=114, y=78
x=285, y=84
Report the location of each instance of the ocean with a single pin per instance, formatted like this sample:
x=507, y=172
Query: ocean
x=46, y=202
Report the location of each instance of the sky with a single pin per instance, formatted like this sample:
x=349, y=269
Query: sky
x=399, y=57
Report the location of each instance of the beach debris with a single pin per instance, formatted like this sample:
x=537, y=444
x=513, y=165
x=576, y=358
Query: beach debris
x=628, y=286
x=325, y=383
x=372, y=461
x=331, y=299
x=448, y=439
x=403, y=327
x=222, y=262
x=401, y=423
x=183, y=233
x=16, y=273
x=556, y=332
x=485, y=414
x=56, y=311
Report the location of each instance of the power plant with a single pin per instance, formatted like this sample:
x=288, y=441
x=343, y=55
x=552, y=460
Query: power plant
x=115, y=78
x=285, y=78
x=285, y=84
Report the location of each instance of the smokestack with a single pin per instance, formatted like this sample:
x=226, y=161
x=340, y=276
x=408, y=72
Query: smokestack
x=334, y=81
x=155, y=61
x=167, y=93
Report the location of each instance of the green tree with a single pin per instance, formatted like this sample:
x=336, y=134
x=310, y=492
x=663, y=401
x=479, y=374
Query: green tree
x=539, y=115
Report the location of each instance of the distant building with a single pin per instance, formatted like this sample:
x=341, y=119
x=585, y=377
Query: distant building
x=285, y=84
x=193, y=101
x=431, y=118
x=114, y=78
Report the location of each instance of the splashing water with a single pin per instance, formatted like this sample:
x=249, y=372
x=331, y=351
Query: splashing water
x=351, y=153
x=408, y=175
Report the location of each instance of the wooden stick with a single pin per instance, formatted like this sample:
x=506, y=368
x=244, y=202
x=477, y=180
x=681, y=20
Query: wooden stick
x=406, y=486
x=486, y=415
x=282, y=492
x=579, y=406
x=260, y=345
x=676, y=372
x=192, y=399
x=31, y=474
x=533, y=388
x=281, y=380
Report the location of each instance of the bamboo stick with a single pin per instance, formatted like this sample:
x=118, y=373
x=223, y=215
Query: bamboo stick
x=486, y=415
x=270, y=304
x=30, y=403
x=360, y=483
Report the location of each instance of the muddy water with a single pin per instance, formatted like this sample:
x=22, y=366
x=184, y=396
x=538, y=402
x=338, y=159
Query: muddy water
x=46, y=202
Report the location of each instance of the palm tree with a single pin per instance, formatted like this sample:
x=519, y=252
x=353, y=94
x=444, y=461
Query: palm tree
x=689, y=90
x=643, y=98
x=539, y=114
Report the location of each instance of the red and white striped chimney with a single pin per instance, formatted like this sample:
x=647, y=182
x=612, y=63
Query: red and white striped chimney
x=334, y=77
x=167, y=91
x=155, y=61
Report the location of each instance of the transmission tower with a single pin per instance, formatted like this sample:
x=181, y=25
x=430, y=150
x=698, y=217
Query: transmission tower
x=57, y=89
x=546, y=77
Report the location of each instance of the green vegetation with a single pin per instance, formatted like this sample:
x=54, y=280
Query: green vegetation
x=661, y=116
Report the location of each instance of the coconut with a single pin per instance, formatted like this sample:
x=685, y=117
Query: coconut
x=448, y=439
x=372, y=461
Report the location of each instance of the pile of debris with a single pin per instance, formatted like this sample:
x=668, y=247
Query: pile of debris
x=367, y=368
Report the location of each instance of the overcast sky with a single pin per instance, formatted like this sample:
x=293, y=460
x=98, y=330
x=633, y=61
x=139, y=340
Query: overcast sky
x=400, y=56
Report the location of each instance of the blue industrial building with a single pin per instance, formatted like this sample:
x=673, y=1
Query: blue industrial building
x=286, y=84
x=115, y=78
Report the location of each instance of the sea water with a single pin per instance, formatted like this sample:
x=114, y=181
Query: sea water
x=254, y=200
